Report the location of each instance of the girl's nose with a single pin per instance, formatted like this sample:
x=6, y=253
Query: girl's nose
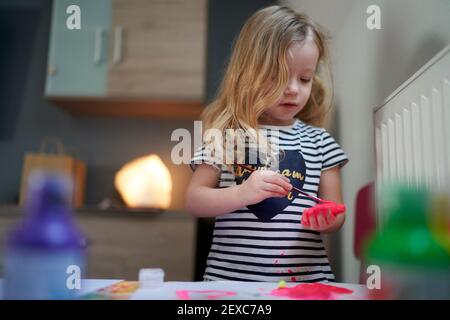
x=292, y=89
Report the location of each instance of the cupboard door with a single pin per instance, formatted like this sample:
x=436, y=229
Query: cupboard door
x=77, y=62
x=158, y=49
x=119, y=247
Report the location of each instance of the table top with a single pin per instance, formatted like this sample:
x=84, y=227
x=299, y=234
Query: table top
x=232, y=290
x=228, y=290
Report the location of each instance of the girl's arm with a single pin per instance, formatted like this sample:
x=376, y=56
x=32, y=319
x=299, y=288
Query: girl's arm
x=330, y=189
x=203, y=199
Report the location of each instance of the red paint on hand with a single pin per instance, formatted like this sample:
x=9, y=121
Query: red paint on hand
x=322, y=209
x=311, y=291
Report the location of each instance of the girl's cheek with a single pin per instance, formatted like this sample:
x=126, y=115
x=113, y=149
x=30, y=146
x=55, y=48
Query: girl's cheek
x=306, y=93
x=308, y=90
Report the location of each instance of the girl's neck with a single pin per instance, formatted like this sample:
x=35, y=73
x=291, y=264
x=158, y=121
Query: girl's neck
x=277, y=123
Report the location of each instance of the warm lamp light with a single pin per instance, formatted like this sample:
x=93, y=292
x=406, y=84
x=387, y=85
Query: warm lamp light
x=145, y=182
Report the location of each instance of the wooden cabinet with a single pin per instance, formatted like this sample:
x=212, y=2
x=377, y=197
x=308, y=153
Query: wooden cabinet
x=121, y=243
x=130, y=57
x=158, y=49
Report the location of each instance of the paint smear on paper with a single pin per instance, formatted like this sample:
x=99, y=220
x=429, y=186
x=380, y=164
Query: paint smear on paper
x=203, y=294
x=122, y=290
x=311, y=291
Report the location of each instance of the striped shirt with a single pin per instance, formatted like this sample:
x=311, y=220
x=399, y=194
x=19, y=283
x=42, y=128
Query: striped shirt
x=266, y=241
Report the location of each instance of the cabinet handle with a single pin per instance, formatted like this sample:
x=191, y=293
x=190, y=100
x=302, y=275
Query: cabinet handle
x=98, y=45
x=118, y=34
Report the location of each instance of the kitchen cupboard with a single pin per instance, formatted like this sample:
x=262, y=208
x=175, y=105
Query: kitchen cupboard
x=129, y=58
x=158, y=49
x=77, y=58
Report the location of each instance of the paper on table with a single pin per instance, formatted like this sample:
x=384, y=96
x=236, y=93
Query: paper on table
x=215, y=290
x=92, y=285
x=231, y=290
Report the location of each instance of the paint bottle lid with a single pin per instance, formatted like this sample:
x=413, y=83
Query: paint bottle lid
x=151, y=278
x=48, y=222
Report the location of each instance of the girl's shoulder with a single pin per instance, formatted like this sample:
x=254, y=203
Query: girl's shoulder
x=310, y=131
x=317, y=136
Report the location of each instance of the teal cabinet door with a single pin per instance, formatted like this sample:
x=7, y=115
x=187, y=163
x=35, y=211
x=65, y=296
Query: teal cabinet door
x=78, y=58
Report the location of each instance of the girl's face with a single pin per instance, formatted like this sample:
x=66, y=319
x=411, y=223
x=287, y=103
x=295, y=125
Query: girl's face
x=302, y=58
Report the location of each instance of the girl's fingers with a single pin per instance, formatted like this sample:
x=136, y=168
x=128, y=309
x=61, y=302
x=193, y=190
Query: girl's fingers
x=338, y=209
x=273, y=188
x=327, y=216
x=317, y=218
x=330, y=217
x=278, y=180
x=313, y=222
x=276, y=195
x=321, y=216
x=282, y=183
x=305, y=218
x=272, y=174
x=321, y=220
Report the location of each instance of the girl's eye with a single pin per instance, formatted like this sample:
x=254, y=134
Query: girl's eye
x=305, y=80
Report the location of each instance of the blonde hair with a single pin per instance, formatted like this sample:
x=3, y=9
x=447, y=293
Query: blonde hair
x=257, y=73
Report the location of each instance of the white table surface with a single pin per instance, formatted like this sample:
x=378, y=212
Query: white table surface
x=87, y=285
x=203, y=289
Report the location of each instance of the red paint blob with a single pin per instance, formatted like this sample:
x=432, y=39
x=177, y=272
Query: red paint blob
x=310, y=291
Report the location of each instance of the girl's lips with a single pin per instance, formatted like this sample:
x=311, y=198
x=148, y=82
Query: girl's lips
x=289, y=105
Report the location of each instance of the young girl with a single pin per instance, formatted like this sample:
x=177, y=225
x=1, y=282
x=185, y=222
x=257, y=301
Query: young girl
x=271, y=85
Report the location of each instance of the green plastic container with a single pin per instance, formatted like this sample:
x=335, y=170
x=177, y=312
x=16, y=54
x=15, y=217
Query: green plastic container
x=414, y=264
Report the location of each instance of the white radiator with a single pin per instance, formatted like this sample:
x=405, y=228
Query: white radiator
x=412, y=128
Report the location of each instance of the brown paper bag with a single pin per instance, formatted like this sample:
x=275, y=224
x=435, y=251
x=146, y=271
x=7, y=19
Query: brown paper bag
x=60, y=162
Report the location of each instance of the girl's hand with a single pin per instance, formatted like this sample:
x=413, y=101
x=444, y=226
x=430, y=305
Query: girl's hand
x=263, y=184
x=322, y=216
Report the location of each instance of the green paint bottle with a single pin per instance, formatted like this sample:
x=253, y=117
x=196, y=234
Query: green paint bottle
x=413, y=262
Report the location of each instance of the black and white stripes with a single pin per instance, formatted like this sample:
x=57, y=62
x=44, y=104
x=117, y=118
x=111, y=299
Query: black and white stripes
x=246, y=248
